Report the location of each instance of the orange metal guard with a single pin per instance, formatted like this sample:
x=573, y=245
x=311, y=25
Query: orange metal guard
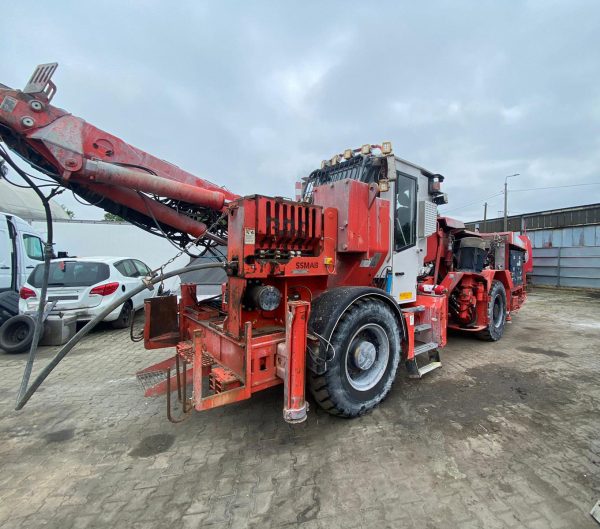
x=291, y=362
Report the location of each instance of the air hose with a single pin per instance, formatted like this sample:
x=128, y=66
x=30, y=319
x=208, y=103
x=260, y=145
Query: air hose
x=146, y=283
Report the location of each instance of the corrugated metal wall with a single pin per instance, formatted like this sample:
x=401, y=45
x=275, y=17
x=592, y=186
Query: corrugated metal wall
x=566, y=244
x=567, y=257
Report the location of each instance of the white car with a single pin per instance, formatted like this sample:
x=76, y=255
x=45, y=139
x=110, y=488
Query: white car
x=85, y=286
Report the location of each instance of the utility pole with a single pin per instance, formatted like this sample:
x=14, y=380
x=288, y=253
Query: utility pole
x=485, y=218
x=506, y=199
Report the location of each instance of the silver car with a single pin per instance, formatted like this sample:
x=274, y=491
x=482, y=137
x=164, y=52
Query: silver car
x=85, y=286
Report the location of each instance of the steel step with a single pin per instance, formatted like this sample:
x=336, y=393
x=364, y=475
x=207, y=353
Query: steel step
x=422, y=327
x=424, y=347
x=418, y=308
x=429, y=367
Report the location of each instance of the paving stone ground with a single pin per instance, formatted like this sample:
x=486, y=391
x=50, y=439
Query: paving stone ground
x=505, y=435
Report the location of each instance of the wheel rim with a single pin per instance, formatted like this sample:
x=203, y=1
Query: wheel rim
x=367, y=357
x=18, y=333
x=497, y=311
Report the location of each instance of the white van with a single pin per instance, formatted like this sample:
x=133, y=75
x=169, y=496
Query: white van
x=21, y=249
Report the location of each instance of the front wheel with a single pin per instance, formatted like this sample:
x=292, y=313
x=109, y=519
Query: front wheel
x=496, y=313
x=366, y=350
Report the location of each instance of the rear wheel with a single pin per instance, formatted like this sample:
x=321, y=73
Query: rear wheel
x=496, y=313
x=125, y=317
x=366, y=351
x=16, y=334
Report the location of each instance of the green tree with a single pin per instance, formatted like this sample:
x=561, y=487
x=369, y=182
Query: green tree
x=111, y=217
x=70, y=213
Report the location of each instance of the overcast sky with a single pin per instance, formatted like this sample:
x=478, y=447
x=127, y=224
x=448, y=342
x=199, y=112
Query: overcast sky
x=253, y=95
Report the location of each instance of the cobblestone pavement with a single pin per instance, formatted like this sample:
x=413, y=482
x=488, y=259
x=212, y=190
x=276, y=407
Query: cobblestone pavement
x=505, y=435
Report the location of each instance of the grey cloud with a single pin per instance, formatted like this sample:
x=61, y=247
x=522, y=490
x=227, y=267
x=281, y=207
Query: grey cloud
x=254, y=95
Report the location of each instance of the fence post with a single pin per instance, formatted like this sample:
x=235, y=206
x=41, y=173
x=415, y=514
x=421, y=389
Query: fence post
x=558, y=267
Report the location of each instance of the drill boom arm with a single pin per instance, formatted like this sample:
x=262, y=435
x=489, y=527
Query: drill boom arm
x=102, y=168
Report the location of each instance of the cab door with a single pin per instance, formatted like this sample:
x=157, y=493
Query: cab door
x=33, y=254
x=406, y=259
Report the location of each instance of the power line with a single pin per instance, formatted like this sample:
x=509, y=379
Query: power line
x=478, y=201
x=555, y=187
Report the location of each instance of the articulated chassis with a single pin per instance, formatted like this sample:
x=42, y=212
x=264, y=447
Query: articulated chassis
x=332, y=289
x=308, y=252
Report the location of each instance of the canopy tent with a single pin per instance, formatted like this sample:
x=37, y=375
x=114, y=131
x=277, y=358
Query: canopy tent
x=25, y=203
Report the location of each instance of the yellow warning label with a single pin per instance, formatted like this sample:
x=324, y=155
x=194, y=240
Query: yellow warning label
x=405, y=295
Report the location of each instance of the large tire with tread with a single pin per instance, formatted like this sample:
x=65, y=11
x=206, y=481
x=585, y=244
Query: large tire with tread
x=496, y=313
x=367, y=349
x=125, y=317
x=16, y=334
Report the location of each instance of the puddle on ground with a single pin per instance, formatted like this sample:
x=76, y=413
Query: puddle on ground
x=542, y=351
x=60, y=435
x=153, y=445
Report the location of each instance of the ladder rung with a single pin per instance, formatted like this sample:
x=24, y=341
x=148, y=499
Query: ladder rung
x=418, y=308
x=429, y=367
x=425, y=348
x=422, y=327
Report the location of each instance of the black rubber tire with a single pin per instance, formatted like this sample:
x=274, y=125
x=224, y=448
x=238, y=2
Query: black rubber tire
x=496, y=313
x=125, y=317
x=332, y=390
x=9, y=305
x=16, y=334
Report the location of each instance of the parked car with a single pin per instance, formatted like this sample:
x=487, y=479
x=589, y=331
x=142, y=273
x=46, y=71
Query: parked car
x=85, y=286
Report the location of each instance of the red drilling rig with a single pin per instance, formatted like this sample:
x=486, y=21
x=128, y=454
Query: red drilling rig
x=330, y=291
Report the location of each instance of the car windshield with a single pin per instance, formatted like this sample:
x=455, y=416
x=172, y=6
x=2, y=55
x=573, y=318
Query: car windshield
x=70, y=274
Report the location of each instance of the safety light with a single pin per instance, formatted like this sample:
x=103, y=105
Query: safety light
x=334, y=160
x=365, y=149
x=386, y=147
x=323, y=164
x=347, y=154
x=26, y=293
x=105, y=290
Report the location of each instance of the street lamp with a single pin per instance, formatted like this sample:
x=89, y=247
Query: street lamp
x=506, y=199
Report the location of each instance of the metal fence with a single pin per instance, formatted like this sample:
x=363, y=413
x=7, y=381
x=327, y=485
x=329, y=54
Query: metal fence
x=568, y=257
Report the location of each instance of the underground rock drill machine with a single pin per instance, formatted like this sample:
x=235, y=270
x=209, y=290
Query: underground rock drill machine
x=332, y=291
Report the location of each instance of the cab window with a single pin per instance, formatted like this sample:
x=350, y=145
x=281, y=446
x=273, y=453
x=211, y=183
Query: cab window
x=405, y=220
x=33, y=247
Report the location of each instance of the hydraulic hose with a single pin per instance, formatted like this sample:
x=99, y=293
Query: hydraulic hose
x=39, y=319
x=92, y=323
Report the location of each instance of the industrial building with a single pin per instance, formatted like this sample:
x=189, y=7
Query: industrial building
x=566, y=244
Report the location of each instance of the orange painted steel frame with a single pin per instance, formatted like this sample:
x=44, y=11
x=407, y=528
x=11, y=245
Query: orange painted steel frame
x=294, y=247
x=471, y=288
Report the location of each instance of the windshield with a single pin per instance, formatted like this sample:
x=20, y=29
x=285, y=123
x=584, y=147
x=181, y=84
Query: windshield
x=70, y=274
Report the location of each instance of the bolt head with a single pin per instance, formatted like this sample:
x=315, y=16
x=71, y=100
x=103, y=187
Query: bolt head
x=36, y=106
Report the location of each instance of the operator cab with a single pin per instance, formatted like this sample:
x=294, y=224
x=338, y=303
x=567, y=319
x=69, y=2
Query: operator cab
x=414, y=194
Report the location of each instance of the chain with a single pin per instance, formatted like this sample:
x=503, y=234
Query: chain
x=182, y=251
